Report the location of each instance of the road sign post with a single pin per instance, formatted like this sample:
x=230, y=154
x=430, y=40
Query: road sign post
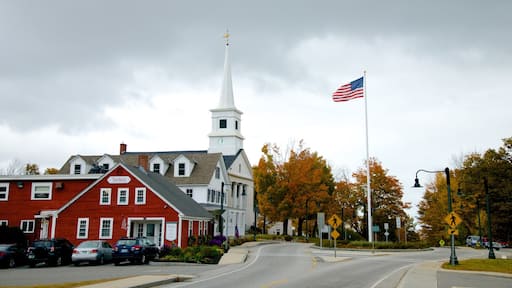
x=334, y=221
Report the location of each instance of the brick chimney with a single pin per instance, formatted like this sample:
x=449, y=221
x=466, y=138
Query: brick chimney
x=122, y=148
x=144, y=161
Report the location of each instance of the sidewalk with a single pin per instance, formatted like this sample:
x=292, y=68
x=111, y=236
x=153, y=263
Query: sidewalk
x=421, y=275
x=142, y=281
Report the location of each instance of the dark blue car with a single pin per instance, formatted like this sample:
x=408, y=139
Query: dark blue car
x=12, y=255
x=136, y=250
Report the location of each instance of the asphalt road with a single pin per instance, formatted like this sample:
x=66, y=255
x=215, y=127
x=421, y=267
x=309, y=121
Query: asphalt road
x=276, y=265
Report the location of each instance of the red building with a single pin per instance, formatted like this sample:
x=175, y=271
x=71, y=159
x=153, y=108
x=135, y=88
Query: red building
x=125, y=201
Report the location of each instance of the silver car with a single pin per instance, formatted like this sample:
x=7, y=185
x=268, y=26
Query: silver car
x=94, y=251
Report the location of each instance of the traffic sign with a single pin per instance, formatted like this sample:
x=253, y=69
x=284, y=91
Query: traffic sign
x=453, y=231
x=452, y=219
x=335, y=234
x=334, y=221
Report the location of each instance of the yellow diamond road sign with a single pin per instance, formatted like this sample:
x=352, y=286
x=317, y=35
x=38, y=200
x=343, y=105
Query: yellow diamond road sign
x=452, y=219
x=453, y=231
x=334, y=221
x=335, y=234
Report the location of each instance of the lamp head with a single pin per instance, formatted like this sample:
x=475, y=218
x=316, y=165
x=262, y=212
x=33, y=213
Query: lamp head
x=416, y=183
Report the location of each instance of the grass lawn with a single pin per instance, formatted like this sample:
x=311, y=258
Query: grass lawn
x=63, y=285
x=488, y=265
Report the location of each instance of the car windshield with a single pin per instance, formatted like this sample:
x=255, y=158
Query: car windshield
x=127, y=242
x=42, y=244
x=89, y=244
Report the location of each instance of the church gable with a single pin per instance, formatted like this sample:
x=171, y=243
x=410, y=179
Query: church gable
x=240, y=166
x=183, y=166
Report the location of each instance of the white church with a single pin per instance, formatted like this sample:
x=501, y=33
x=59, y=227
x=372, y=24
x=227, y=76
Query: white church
x=220, y=177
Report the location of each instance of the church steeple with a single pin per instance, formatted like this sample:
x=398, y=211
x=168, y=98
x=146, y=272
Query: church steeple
x=225, y=136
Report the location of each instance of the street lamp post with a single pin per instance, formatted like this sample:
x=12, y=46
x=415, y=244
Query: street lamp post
x=453, y=256
x=489, y=227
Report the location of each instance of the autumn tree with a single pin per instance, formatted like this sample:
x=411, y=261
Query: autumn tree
x=386, y=192
x=50, y=171
x=284, y=187
x=31, y=169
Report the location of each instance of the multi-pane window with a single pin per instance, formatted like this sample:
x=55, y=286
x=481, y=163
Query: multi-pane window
x=78, y=169
x=181, y=169
x=122, y=196
x=41, y=191
x=82, y=228
x=4, y=191
x=105, y=166
x=4, y=223
x=190, y=193
x=217, y=173
x=27, y=226
x=223, y=123
x=156, y=168
x=105, y=195
x=106, y=225
x=140, y=196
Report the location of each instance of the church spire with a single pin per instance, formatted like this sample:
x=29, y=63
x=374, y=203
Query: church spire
x=226, y=136
x=226, y=95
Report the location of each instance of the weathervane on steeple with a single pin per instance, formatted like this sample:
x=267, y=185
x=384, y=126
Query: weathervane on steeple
x=226, y=36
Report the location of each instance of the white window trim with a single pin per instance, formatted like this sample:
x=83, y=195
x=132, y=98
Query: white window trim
x=6, y=185
x=190, y=228
x=137, y=202
x=37, y=184
x=109, y=191
x=78, y=236
x=28, y=221
x=109, y=236
x=4, y=222
x=119, y=190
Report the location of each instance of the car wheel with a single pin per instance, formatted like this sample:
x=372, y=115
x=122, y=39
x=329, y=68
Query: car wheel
x=12, y=263
x=143, y=259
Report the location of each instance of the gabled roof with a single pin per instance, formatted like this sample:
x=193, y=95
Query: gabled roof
x=201, y=175
x=157, y=183
x=170, y=192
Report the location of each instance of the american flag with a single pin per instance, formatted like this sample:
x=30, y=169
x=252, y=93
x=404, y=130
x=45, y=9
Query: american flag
x=352, y=90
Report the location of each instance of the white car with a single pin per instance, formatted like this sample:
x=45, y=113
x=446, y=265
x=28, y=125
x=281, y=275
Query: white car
x=94, y=251
x=495, y=245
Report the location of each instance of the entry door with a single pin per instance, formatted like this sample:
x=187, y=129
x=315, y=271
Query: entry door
x=43, y=233
x=150, y=230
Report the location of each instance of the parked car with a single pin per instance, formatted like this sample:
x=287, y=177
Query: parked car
x=495, y=245
x=12, y=255
x=92, y=251
x=53, y=252
x=136, y=250
x=472, y=240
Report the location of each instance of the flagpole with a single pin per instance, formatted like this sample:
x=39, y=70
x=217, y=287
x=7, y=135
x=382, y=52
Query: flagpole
x=368, y=190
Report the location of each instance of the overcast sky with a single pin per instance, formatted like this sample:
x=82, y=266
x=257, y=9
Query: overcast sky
x=80, y=77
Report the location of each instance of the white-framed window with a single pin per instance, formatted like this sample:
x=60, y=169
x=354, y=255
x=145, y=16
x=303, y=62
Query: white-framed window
x=4, y=191
x=82, y=228
x=156, y=167
x=217, y=173
x=27, y=226
x=122, y=196
x=41, y=191
x=200, y=228
x=190, y=228
x=77, y=169
x=4, y=223
x=181, y=169
x=140, y=196
x=106, y=226
x=105, y=196
x=190, y=192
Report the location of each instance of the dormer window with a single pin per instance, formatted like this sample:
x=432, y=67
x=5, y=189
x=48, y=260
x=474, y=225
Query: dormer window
x=156, y=167
x=77, y=169
x=223, y=123
x=105, y=166
x=181, y=169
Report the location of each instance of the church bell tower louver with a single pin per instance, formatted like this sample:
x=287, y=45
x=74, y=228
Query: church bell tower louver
x=225, y=136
